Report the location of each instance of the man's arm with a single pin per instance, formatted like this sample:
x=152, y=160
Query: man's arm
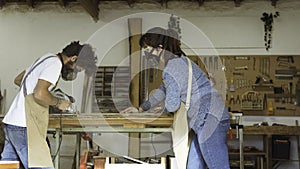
x=18, y=79
x=44, y=97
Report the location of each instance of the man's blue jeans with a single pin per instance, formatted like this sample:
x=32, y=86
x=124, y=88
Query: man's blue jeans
x=208, y=146
x=15, y=148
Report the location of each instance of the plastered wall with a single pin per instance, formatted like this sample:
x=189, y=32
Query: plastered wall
x=26, y=34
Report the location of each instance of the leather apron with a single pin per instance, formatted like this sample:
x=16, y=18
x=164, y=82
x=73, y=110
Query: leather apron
x=181, y=136
x=37, y=117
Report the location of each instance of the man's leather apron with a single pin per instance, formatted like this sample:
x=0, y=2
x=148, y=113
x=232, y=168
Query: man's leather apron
x=37, y=117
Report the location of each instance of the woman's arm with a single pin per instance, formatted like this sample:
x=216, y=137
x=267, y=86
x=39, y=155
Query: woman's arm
x=156, y=97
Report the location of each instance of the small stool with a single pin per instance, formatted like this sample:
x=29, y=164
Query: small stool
x=9, y=164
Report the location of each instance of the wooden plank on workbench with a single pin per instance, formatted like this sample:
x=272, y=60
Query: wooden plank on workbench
x=112, y=120
x=271, y=130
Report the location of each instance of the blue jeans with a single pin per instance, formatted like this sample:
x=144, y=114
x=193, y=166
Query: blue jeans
x=15, y=148
x=208, y=146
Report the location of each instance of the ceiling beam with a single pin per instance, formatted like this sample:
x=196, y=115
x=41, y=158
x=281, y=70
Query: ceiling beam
x=163, y=2
x=274, y=2
x=2, y=3
x=63, y=3
x=200, y=2
x=130, y=2
x=237, y=3
x=30, y=3
x=91, y=6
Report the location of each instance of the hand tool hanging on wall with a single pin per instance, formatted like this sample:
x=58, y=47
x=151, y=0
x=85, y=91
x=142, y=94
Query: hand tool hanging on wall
x=210, y=62
x=231, y=101
x=216, y=63
x=229, y=64
x=238, y=101
x=289, y=59
x=241, y=68
x=223, y=64
x=252, y=100
x=268, y=67
x=231, y=88
x=260, y=65
x=254, y=62
x=290, y=92
x=284, y=64
x=298, y=93
x=286, y=73
x=241, y=58
x=205, y=61
x=238, y=74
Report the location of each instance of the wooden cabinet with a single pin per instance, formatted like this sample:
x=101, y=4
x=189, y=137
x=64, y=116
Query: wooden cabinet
x=263, y=158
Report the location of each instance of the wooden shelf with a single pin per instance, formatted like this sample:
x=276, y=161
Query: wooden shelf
x=284, y=95
x=111, y=84
x=249, y=153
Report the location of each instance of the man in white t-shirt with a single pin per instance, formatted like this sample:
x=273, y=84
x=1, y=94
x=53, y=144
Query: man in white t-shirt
x=37, y=81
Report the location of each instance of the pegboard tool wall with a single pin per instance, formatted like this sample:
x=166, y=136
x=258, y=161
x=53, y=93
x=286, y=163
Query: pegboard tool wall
x=262, y=85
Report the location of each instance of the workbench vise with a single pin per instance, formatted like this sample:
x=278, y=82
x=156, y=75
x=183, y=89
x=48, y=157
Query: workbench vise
x=237, y=116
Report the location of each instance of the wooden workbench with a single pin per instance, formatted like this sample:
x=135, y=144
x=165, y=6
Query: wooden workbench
x=272, y=130
x=107, y=123
x=267, y=132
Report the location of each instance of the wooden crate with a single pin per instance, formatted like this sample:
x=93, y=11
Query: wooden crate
x=109, y=165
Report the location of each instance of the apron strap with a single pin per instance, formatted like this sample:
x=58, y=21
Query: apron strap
x=189, y=89
x=23, y=85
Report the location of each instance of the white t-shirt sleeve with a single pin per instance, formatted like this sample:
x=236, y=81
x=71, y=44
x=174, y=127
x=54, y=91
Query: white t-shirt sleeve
x=51, y=71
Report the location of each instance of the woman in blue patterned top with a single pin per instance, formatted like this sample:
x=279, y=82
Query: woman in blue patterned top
x=207, y=115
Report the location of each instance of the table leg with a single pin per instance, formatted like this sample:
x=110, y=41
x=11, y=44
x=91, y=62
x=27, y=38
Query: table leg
x=241, y=139
x=78, y=146
x=57, y=142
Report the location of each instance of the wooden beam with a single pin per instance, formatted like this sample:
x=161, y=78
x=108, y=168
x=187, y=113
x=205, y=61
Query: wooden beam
x=237, y=3
x=63, y=3
x=2, y=3
x=91, y=6
x=135, y=32
x=274, y=2
x=162, y=2
x=130, y=2
x=200, y=2
x=30, y=3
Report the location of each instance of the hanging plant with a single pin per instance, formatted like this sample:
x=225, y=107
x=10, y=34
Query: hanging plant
x=268, y=27
x=174, y=23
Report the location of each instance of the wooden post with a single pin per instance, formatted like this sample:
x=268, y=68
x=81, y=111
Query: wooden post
x=135, y=31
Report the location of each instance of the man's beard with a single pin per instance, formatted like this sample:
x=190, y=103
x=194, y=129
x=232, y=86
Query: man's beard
x=67, y=72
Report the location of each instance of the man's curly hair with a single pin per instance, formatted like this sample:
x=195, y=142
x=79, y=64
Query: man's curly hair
x=86, y=59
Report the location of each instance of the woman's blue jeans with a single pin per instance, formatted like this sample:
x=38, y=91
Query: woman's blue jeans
x=208, y=146
x=15, y=148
